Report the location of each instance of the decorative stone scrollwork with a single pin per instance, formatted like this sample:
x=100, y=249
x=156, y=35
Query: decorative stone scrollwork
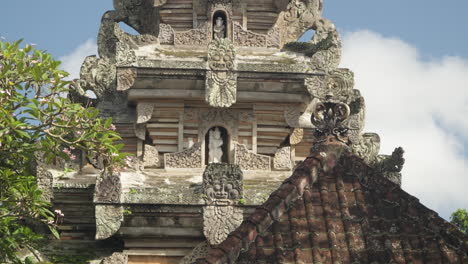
x=221, y=80
x=297, y=17
x=222, y=181
x=246, y=38
x=108, y=188
x=391, y=165
x=189, y=158
x=282, y=159
x=125, y=78
x=329, y=121
x=116, y=258
x=166, y=34
x=97, y=75
x=125, y=55
x=247, y=160
x=219, y=221
x=108, y=220
x=367, y=148
x=194, y=37
x=328, y=45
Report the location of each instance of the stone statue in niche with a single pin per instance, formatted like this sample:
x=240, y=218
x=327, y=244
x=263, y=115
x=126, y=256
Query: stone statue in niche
x=219, y=28
x=216, y=142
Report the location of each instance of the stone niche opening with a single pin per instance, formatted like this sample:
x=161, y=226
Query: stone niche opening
x=212, y=141
x=217, y=26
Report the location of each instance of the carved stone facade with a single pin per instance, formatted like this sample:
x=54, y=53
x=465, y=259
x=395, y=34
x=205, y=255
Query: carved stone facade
x=199, y=251
x=166, y=34
x=221, y=79
x=247, y=160
x=189, y=158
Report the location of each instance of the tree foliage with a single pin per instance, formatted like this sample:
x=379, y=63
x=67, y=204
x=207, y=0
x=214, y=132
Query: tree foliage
x=37, y=119
x=460, y=219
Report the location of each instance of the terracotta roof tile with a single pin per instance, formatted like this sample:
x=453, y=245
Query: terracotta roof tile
x=342, y=218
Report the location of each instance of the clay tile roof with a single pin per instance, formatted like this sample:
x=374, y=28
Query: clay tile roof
x=348, y=215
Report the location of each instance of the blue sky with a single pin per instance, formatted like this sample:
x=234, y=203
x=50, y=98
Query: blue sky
x=410, y=59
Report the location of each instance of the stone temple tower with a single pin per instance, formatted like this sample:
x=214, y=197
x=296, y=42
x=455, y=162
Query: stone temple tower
x=219, y=104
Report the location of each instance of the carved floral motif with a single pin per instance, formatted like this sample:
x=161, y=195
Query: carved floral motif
x=195, y=37
x=189, y=158
x=166, y=34
x=246, y=38
x=247, y=160
x=219, y=221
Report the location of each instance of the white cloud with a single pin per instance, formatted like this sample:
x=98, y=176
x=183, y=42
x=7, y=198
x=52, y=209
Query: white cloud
x=72, y=62
x=420, y=105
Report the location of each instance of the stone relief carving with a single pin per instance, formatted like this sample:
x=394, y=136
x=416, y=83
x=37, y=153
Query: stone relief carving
x=144, y=112
x=329, y=120
x=116, y=258
x=282, y=159
x=126, y=78
x=108, y=220
x=108, y=188
x=328, y=43
x=199, y=251
x=246, y=38
x=222, y=181
x=297, y=17
x=195, y=37
x=247, y=160
x=324, y=48
x=221, y=80
x=166, y=34
x=391, y=165
x=125, y=56
x=338, y=83
x=189, y=158
x=219, y=221
x=97, y=75
x=151, y=157
x=222, y=187
x=219, y=28
x=367, y=148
